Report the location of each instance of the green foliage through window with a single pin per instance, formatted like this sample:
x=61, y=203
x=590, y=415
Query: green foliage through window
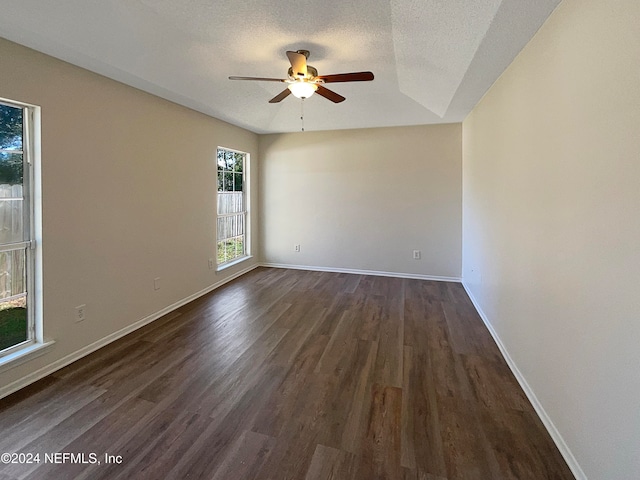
x=230, y=170
x=13, y=326
x=11, y=135
x=10, y=168
x=10, y=127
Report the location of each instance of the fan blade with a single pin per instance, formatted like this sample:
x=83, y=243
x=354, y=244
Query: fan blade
x=298, y=63
x=281, y=96
x=328, y=94
x=347, y=77
x=258, y=78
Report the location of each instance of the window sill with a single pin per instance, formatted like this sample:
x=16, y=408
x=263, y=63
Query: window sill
x=224, y=266
x=24, y=355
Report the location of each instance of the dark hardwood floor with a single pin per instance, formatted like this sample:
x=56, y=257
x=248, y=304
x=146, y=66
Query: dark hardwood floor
x=285, y=374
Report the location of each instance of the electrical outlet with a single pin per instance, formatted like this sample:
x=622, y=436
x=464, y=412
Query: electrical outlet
x=80, y=313
x=156, y=283
x=212, y=263
x=296, y=248
x=417, y=254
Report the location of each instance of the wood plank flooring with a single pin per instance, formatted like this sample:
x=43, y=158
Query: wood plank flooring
x=285, y=374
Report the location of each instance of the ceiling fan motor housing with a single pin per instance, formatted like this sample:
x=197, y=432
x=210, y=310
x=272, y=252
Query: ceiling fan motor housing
x=311, y=73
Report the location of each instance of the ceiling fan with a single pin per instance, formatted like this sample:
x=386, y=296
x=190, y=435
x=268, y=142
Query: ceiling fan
x=303, y=80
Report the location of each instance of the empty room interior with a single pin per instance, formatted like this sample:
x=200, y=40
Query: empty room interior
x=421, y=264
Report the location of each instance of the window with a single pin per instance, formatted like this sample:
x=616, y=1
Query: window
x=232, y=206
x=17, y=326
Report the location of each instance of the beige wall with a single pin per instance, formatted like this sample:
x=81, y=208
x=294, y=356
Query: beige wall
x=551, y=232
x=364, y=199
x=129, y=187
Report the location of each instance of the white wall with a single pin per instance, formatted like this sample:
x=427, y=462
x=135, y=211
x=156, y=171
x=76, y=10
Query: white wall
x=364, y=199
x=551, y=203
x=129, y=189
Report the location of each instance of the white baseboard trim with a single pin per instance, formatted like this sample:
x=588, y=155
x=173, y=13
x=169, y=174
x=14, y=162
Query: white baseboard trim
x=78, y=354
x=544, y=417
x=415, y=276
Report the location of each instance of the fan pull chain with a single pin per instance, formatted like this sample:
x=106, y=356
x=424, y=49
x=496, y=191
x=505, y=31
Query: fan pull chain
x=302, y=113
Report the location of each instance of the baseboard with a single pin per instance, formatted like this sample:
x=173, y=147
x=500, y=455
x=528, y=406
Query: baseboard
x=544, y=417
x=415, y=276
x=77, y=355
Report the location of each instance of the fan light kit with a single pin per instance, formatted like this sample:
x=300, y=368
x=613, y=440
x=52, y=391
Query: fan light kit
x=302, y=89
x=303, y=80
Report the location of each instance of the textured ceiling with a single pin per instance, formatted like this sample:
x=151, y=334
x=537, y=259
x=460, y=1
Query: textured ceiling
x=432, y=59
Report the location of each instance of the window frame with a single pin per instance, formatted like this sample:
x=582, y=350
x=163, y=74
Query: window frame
x=245, y=212
x=35, y=343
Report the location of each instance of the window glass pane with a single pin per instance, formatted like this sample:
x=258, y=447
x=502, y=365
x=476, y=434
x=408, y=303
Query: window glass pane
x=10, y=127
x=221, y=253
x=220, y=181
x=11, y=194
x=230, y=248
x=12, y=273
x=13, y=298
x=13, y=323
x=230, y=227
x=228, y=181
x=11, y=168
x=16, y=323
x=237, y=182
x=11, y=220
